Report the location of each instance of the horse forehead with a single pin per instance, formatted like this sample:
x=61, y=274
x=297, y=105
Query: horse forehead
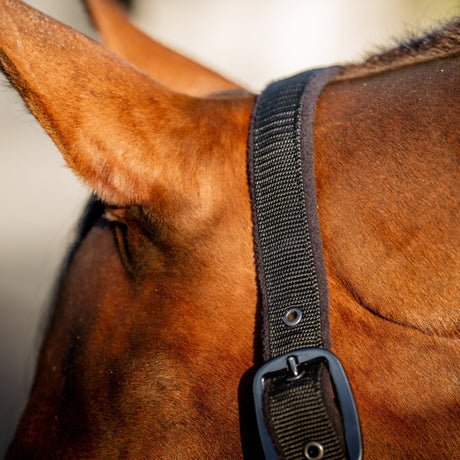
x=169, y=288
x=100, y=317
x=95, y=274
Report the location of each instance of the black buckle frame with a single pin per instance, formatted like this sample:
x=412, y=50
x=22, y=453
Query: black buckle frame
x=341, y=386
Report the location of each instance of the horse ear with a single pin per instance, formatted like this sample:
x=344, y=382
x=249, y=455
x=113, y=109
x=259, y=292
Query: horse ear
x=125, y=135
x=164, y=65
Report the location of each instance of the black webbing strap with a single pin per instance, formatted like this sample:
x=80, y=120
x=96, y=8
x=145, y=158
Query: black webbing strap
x=299, y=417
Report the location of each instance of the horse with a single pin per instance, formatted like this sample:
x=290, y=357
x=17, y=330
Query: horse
x=151, y=346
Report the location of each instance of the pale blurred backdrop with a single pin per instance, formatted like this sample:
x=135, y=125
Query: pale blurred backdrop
x=249, y=41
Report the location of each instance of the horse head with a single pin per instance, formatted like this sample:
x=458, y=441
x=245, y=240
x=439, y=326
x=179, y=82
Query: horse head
x=151, y=344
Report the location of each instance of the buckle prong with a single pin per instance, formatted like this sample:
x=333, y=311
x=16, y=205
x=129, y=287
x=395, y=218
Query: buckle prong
x=294, y=369
x=290, y=362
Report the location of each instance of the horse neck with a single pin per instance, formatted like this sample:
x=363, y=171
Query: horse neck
x=387, y=173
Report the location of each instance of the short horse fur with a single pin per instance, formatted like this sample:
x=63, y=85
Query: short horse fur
x=152, y=343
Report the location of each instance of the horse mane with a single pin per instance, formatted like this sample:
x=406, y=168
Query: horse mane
x=436, y=44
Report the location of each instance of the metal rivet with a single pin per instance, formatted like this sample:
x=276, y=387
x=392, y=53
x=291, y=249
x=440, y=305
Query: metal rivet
x=313, y=451
x=292, y=317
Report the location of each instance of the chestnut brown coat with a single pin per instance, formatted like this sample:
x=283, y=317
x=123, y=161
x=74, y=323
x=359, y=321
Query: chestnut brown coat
x=150, y=349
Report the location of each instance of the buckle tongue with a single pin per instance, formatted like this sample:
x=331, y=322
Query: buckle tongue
x=293, y=363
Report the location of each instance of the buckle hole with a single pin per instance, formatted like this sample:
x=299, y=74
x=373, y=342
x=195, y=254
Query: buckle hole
x=313, y=451
x=292, y=317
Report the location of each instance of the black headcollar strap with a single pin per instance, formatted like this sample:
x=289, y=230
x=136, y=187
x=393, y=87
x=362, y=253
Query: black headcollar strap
x=298, y=415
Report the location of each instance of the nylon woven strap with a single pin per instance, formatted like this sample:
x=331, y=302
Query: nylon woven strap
x=289, y=260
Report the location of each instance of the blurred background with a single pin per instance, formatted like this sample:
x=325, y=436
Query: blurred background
x=249, y=41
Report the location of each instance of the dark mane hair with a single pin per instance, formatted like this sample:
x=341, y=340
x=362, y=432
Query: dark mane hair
x=436, y=44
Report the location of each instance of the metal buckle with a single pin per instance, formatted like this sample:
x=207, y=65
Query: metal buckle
x=292, y=362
